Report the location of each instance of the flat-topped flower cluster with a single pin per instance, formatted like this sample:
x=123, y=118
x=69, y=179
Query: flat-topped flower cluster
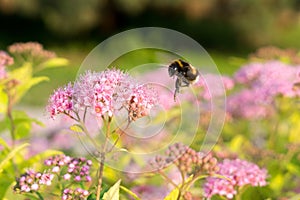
x=103, y=94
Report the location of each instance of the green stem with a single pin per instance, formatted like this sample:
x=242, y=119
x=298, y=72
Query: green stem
x=168, y=179
x=102, y=160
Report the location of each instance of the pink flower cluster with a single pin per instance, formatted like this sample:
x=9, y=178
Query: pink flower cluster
x=61, y=101
x=32, y=181
x=77, y=168
x=262, y=82
x=239, y=173
x=140, y=102
x=104, y=93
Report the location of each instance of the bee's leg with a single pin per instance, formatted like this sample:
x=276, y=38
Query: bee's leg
x=177, y=87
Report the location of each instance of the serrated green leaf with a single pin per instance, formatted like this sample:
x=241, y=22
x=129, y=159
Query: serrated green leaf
x=11, y=155
x=173, y=195
x=76, y=128
x=113, y=192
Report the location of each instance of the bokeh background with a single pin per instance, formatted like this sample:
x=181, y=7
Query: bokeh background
x=225, y=28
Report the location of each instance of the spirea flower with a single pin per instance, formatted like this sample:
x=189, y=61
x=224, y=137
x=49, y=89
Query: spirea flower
x=263, y=82
x=239, y=173
x=77, y=193
x=32, y=181
x=140, y=102
x=76, y=169
x=104, y=94
x=61, y=101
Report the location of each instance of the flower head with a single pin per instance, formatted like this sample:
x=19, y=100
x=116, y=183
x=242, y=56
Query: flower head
x=32, y=50
x=61, y=101
x=77, y=169
x=141, y=100
x=32, y=181
x=104, y=94
x=240, y=173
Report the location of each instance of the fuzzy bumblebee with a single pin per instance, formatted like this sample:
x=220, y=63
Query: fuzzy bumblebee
x=186, y=74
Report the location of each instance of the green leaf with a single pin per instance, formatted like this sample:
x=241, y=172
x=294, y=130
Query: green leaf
x=76, y=128
x=53, y=63
x=113, y=192
x=6, y=183
x=3, y=100
x=23, y=123
x=26, y=85
x=11, y=155
x=4, y=144
x=173, y=195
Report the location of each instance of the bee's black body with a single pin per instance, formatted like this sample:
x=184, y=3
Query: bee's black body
x=186, y=74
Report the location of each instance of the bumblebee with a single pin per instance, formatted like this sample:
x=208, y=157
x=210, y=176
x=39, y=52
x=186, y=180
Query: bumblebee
x=186, y=74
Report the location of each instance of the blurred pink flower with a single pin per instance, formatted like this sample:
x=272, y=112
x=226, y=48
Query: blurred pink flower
x=5, y=59
x=263, y=82
x=213, y=85
x=148, y=192
x=240, y=173
x=249, y=104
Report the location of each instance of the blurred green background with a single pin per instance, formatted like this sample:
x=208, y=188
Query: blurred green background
x=227, y=29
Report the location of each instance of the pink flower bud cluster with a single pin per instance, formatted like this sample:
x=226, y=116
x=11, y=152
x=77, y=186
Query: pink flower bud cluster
x=31, y=50
x=237, y=173
x=32, y=181
x=186, y=160
x=78, y=193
